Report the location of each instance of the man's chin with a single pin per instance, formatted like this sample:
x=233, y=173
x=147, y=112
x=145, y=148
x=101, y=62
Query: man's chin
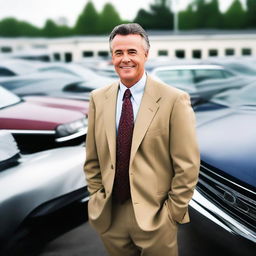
x=127, y=77
x=128, y=81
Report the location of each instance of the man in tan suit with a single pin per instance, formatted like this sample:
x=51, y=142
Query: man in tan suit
x=142, y=157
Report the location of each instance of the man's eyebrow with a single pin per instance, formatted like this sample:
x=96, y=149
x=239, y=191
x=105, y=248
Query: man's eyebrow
x=117, y=51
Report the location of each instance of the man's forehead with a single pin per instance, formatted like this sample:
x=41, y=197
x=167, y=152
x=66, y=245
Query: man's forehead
x=127, y=42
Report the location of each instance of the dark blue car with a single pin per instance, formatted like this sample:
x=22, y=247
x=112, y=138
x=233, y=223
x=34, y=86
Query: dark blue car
x=226, y=194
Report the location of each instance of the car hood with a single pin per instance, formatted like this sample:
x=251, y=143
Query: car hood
x=30, y=116
x=229, y=144
x=38, y=179
x=69, y=104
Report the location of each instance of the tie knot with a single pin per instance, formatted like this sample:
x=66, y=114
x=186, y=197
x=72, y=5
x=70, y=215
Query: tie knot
x=127, y=94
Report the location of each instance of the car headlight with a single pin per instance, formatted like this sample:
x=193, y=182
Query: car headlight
x=71, y=130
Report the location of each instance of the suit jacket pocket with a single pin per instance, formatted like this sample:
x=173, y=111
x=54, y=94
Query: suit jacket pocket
x=96, y=203
x=173, y=221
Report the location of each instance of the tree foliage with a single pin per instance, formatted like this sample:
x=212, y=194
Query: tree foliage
x=108, y=19
x=159, y=16
x=251, y=14
x=234, y=18
x=199, y=14
x=10, y=27
x=88, y=21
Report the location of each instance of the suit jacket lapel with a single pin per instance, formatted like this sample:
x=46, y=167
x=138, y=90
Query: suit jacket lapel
x=110, y=120
x=147, y=111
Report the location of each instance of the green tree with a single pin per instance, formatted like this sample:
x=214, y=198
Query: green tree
x=235, y=16
x=187, y=18
x=214, y=17
x=88, y=21
x=144, y=18
x=109, y=18
x=162, y=15
x=50, y=29
x=207, y=14
x=10, y=27
x=251, y=14
x=64, y=31
x=159, y=16
x=201, y=14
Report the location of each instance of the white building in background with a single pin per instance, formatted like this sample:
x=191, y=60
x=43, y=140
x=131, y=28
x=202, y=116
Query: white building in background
x=185, y=45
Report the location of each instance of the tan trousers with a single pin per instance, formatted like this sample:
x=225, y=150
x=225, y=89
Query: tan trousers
x=125, y=238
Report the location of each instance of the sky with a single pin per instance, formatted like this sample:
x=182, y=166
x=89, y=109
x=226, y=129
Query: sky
x=37, y=11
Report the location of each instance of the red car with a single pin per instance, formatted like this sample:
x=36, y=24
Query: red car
x=43, y=122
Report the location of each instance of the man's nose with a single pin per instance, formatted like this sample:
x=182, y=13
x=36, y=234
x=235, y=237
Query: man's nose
x=126, y=58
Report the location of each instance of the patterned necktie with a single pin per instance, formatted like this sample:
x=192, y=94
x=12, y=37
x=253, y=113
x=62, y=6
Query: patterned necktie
x=121, y=191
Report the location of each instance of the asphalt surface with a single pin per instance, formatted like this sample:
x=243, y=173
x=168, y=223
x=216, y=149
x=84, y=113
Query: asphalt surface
x=67, y=233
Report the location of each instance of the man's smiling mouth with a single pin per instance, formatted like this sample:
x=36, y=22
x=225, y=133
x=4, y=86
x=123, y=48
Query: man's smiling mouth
x=127, y=67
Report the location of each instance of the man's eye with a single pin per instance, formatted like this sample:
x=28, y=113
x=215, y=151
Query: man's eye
x=132, y=52
x=118, y=54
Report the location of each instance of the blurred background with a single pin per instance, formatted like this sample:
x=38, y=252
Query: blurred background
x=53, y=53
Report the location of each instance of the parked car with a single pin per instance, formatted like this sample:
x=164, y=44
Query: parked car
x=107, y=70
x=241, y=66
x=12, y=67
x=233, y=98
x=165, y=61
x=209, y=88
x=34, y=55
x=37, y=184
x=200, y=81
x=54, y=84
x=42, y=122
x=189, y=75
x=225, y=196
x=89, y=76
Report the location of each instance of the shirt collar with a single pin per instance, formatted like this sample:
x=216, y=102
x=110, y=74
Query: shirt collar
x=136, y=90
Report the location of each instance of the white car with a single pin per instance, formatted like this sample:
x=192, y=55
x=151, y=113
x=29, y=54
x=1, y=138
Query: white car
x=200, y=81
x=14, y=67
x=186, y=76
x=36, y=184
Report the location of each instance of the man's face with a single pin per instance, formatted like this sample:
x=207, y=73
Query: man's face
x=129, y=56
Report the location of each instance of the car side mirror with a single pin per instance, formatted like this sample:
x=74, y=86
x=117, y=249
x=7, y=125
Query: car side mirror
x=9, y=151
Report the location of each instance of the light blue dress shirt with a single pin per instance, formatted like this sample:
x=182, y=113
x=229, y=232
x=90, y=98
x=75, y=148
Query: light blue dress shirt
x=137, y=91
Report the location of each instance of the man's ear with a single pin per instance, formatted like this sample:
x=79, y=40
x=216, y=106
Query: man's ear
x=146, y=54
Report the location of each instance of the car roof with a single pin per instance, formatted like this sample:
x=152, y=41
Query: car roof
x=18, y=66
x=189, y=67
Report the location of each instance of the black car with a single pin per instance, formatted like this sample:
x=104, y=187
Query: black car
x=225, y=196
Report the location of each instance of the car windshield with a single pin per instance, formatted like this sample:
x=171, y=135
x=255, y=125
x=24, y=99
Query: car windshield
x=237, y=97
x=178, y=78
x=7, y=98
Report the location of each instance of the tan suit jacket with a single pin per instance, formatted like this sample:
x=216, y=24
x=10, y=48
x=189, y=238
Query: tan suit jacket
x=164, y=160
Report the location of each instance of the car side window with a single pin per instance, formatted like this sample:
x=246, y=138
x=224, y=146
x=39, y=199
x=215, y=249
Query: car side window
x=204, y=74
x=76, y=87
x=6, y=72
x=174, y=77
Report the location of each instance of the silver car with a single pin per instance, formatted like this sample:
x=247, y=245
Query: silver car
x=37, y=184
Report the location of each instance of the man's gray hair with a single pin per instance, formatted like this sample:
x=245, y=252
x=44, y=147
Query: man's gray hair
x=127, y=29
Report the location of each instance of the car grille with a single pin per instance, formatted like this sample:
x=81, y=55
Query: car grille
x=232, y=197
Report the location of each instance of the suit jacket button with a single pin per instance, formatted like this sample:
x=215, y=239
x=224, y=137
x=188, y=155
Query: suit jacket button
x=112, y=167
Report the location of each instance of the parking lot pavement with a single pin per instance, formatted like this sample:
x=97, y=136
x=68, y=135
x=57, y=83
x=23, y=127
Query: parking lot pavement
x=197, y=238
x=81, y=241
x=84, y=241
x=68, y=233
